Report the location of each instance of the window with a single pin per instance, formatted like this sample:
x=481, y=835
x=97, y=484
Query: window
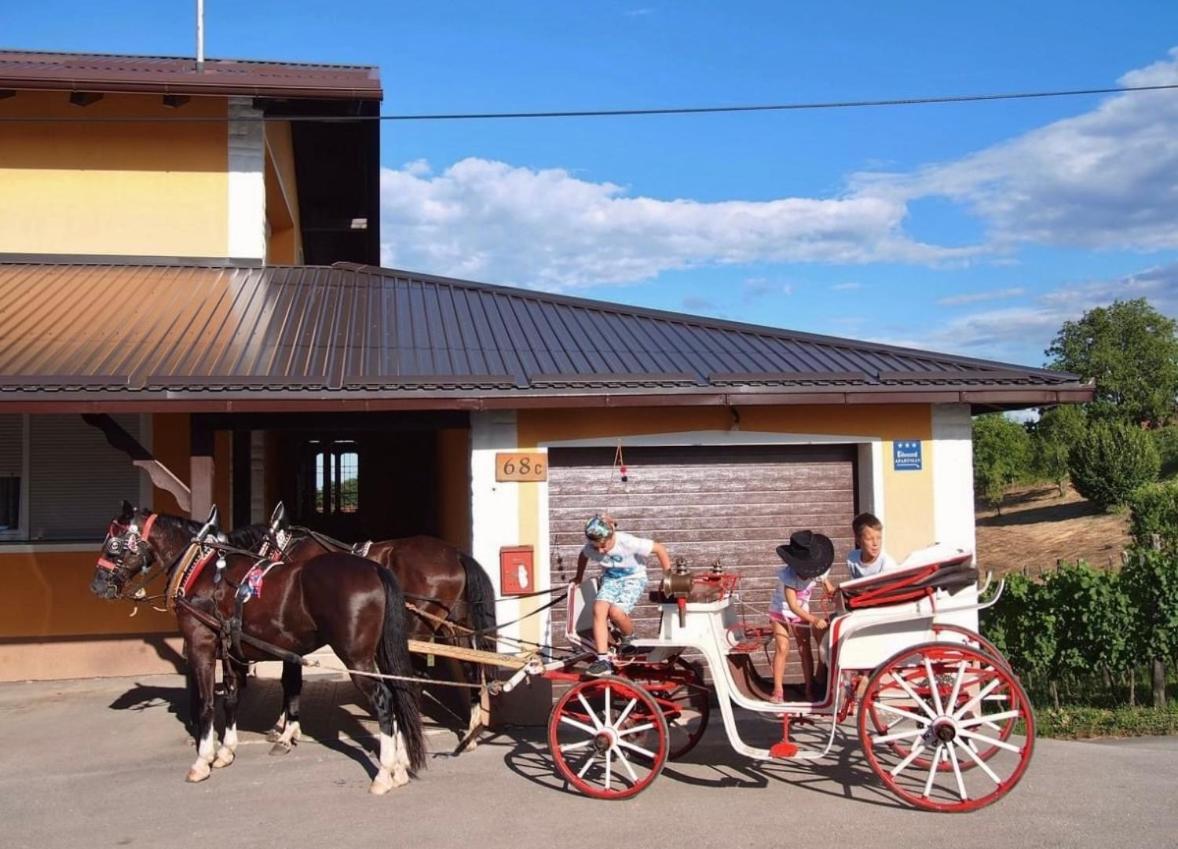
x=337, y=477
x=59, y=479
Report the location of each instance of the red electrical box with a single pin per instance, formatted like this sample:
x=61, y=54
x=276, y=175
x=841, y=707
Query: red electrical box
x=517, y=571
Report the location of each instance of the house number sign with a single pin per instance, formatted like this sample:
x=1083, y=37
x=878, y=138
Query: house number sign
x=531, y=466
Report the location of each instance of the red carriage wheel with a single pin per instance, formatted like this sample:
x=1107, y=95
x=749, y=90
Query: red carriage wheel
x=608, y=738
x=1002, y=729
x=933, y=731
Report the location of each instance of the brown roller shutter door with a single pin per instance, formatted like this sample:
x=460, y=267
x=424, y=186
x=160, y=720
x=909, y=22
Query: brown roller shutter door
x=732, y=504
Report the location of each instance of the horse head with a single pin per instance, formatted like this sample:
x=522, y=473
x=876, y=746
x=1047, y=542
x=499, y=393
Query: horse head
x=126, y=551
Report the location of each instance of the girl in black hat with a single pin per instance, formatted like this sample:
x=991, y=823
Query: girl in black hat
x=807, y=560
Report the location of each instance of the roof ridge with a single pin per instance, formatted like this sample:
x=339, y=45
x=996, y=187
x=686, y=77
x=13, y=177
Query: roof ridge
x=11, y=51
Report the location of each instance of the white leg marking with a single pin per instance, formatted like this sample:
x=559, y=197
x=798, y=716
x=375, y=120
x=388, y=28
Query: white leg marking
x=228, y=750
x=401, y=756
x=205, y=752
x=384, y=782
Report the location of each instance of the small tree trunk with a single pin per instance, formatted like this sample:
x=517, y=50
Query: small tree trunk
x=1132, y=687
x=1054, y=694
x=1108, y=680
x=1159, y=683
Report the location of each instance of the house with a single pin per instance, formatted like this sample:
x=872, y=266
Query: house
x=212, y=288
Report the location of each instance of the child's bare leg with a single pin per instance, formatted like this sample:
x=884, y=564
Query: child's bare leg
x=601, y=611
x=622, y=620
x=780, y=654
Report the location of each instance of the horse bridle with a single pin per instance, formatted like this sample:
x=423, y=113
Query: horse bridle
x=130, y=537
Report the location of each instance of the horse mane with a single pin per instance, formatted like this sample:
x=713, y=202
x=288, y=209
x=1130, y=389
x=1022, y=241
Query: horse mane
x=248, y=536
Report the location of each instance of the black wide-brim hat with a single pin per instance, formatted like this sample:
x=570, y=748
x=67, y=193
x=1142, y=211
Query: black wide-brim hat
x=809, y=554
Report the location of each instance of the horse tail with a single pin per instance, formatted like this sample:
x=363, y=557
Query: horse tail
x=393, y=659
x=480, y=600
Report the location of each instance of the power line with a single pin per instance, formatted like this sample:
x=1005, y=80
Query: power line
x=599, y=113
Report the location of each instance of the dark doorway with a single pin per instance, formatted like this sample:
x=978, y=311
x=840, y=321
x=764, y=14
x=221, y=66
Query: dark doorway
x=358, y=486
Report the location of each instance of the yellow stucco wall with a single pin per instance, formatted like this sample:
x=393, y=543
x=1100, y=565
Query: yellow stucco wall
x=118, y=188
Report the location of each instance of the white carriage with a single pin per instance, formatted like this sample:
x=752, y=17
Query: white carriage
x=942, y=719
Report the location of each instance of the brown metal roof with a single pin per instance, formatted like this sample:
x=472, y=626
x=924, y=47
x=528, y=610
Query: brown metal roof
x=314, y=337
x=178, y=75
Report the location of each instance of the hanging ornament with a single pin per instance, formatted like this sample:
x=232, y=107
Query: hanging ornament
x=620, y=463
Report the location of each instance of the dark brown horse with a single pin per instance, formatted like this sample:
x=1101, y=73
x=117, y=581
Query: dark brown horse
x=335, y=599
x=444, y=585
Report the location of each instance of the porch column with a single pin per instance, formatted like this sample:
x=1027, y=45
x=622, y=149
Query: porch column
x=494, y=507
x=201, y=467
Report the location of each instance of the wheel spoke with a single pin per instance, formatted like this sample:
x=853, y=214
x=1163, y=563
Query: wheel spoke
x=903, y=765
x=957, y=683
x=957, y=772
x=609, y=768
x=907, y=688
x=626, y=763
x=637, y=729
x=588, y=763
x=903, y=713
x=582, y=726
x=934, y=686
x=989, y=688
x=625, y=713
x=589, y=712
x=979, y=762
x=1002, y=744
x=990, y=719
x=573, y=747
x=899, y=735
x=932, y=771
x=646, y=753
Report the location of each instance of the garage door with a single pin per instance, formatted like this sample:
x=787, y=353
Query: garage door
x=735, y=505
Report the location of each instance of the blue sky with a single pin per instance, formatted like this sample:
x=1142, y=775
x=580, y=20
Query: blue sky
x=972, y=228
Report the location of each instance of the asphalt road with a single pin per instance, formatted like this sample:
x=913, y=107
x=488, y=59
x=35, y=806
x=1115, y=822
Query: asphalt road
x=101, y=763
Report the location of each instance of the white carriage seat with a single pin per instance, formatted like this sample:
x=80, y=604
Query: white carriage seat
x=579, y=614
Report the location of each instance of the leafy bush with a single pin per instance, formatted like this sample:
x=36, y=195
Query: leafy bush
x=1154, y=510
x=1166, y=441
x=1110, y=461
x=1001, y=456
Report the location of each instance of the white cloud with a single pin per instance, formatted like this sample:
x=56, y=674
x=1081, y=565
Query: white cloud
x=1006, y=333
x=846, y=287
x=976, y=297
x=497, y=222
x=1107, y=178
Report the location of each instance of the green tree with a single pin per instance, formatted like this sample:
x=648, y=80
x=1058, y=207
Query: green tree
x=1023, y=626
x=1094, y=622
x=1052, y=438
x=1111, y=461
x=1001, y=456
x=1132, y=351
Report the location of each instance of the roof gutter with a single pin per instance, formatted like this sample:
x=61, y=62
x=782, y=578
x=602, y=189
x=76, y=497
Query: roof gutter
x=309, y=401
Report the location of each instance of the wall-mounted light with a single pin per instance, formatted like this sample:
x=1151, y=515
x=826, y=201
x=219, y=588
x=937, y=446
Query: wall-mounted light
x=359, y=223
x=175, y=101
x=84, y=98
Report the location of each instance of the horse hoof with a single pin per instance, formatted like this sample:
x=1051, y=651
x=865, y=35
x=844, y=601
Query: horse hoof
x=224, y=758
x=400, y=778
x=274, y=735
x=281, y=747
x=196, y=775
x=382, y=784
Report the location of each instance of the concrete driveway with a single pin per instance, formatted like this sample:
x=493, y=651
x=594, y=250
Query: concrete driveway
x=100, y=763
